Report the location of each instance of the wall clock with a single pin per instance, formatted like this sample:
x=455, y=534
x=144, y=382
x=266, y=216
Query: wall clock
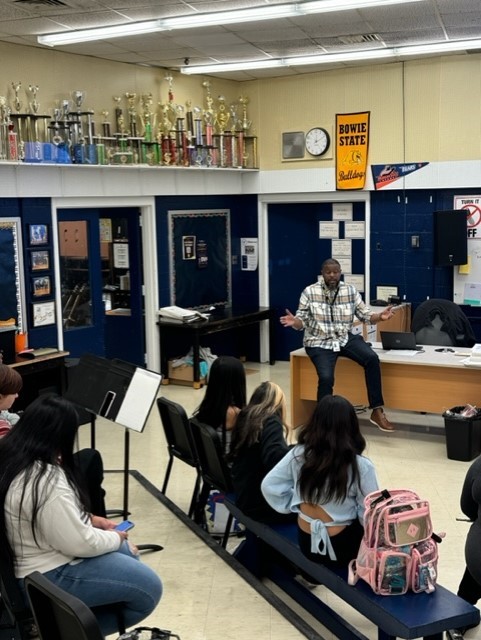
x=318, y=141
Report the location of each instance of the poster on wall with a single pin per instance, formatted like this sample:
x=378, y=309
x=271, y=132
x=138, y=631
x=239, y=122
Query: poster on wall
x=202, y=256
x=121, y=255
x=352, y=146
x=249, y=254
x=188, y=247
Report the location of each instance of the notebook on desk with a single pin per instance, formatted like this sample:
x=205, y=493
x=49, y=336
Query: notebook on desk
x=399, y=340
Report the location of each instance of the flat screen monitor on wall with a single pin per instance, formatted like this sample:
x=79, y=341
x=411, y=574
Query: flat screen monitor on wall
x=450, y=237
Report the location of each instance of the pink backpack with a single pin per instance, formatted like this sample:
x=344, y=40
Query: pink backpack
x=399, y=550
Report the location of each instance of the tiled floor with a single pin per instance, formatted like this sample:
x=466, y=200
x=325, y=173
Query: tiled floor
x=204, y=599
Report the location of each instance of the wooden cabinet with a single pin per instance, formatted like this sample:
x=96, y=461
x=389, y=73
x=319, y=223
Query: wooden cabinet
x=401, y=321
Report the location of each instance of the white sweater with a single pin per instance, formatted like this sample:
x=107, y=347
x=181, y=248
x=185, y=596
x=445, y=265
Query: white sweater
x=63, y=532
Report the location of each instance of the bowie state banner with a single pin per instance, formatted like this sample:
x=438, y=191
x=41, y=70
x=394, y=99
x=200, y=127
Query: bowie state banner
x=384, y=174
x=352, y=144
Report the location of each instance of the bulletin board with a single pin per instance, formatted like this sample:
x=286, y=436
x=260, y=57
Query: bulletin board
x=12, y=300
x=200, y=258
x=467, y=278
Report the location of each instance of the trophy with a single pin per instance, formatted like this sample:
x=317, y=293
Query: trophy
x=222, y=116
x=132, y=113
x=57, y=138
x=78, y=97
x=3, y=127
x=148, y=117
x=65, y=107
x=197, y=113
x=16, y=86
x=34, y=105
x=106, y=133
x=221, y=119
x=17, y=103
x=246, y=124
x=180, y=136
x=119, y=115
x=209, y=115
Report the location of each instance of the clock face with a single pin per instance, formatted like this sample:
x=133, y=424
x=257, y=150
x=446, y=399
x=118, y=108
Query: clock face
x=317, y=141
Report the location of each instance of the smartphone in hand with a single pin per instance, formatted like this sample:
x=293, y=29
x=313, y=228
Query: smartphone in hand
x=125, y=525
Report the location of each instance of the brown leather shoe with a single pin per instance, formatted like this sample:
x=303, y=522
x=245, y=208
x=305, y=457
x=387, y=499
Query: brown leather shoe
x=378, y=417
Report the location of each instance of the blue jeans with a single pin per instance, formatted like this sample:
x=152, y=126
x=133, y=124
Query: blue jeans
x=356, y=349
x=117, y=577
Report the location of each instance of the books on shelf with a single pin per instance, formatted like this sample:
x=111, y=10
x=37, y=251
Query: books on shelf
x=178, y=314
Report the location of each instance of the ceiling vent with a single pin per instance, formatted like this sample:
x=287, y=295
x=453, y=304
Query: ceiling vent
x=361, y=38
x=42, y=3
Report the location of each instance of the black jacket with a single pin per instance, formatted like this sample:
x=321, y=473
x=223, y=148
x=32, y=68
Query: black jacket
x=250, y=466
x=455, y=323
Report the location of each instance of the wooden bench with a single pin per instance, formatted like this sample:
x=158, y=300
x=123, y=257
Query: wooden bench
x=272, y=551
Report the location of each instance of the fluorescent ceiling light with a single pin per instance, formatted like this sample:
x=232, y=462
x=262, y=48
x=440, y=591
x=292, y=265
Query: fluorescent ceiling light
x=101, y=33
x=231, y=17
x=439, y=47
x=197, y=20
x=235, y=66
x=273, y=12
x=327, y=58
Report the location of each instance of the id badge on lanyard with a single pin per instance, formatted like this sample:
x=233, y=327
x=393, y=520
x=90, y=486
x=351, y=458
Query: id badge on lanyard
x=335, y=343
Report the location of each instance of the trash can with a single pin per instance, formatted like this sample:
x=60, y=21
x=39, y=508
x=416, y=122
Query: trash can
x=463, y=434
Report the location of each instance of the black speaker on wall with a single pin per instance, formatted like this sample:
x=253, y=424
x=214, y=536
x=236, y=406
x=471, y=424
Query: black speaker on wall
x=450, y=237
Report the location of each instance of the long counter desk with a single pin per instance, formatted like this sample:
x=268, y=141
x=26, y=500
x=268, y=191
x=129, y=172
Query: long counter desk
x=429, y=381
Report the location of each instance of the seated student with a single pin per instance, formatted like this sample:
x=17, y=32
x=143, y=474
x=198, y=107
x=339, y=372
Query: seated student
x=89, y=461
x=324, y=479
x=45, y=525
x=258, y=443
x=224, y=397
x=10, y=385
x=470, y=586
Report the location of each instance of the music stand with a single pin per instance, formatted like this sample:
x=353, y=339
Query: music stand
x=120, y=392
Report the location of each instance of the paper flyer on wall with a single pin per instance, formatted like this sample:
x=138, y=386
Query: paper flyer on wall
x=249, y=254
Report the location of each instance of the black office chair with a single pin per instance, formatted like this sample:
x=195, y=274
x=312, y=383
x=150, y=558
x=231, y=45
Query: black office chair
x=214, y=468
x=180, y=444
x=442, y=322
x=18, y=617
x=59, y=615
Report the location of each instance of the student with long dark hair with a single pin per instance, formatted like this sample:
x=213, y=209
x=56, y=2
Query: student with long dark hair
x=324, y=479
x=88, y=461
x=224, y=397
x=258, y=443
x=45, y=525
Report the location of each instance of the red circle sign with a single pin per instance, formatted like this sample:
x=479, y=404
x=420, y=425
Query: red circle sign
x=474, y=214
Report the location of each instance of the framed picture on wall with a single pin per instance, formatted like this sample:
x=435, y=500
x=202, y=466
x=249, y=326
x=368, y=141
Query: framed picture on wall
x=41, y=286
x=43, y=313
x=39, y=260
x=37, y=234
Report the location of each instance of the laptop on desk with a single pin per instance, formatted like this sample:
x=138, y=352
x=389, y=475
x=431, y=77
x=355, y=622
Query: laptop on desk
x=399, y=340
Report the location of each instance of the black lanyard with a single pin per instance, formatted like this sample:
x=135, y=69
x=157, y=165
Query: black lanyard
x=331, y=303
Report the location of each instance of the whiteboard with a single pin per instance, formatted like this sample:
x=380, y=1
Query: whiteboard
x=467, y=278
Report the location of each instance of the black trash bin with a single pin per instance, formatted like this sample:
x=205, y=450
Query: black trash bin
x=463, y=434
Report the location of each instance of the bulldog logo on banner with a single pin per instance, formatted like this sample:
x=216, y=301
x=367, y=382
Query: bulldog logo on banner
x=352, y=144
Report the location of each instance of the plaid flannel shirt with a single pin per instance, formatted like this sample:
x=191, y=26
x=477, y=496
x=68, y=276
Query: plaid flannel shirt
x=327, y=318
